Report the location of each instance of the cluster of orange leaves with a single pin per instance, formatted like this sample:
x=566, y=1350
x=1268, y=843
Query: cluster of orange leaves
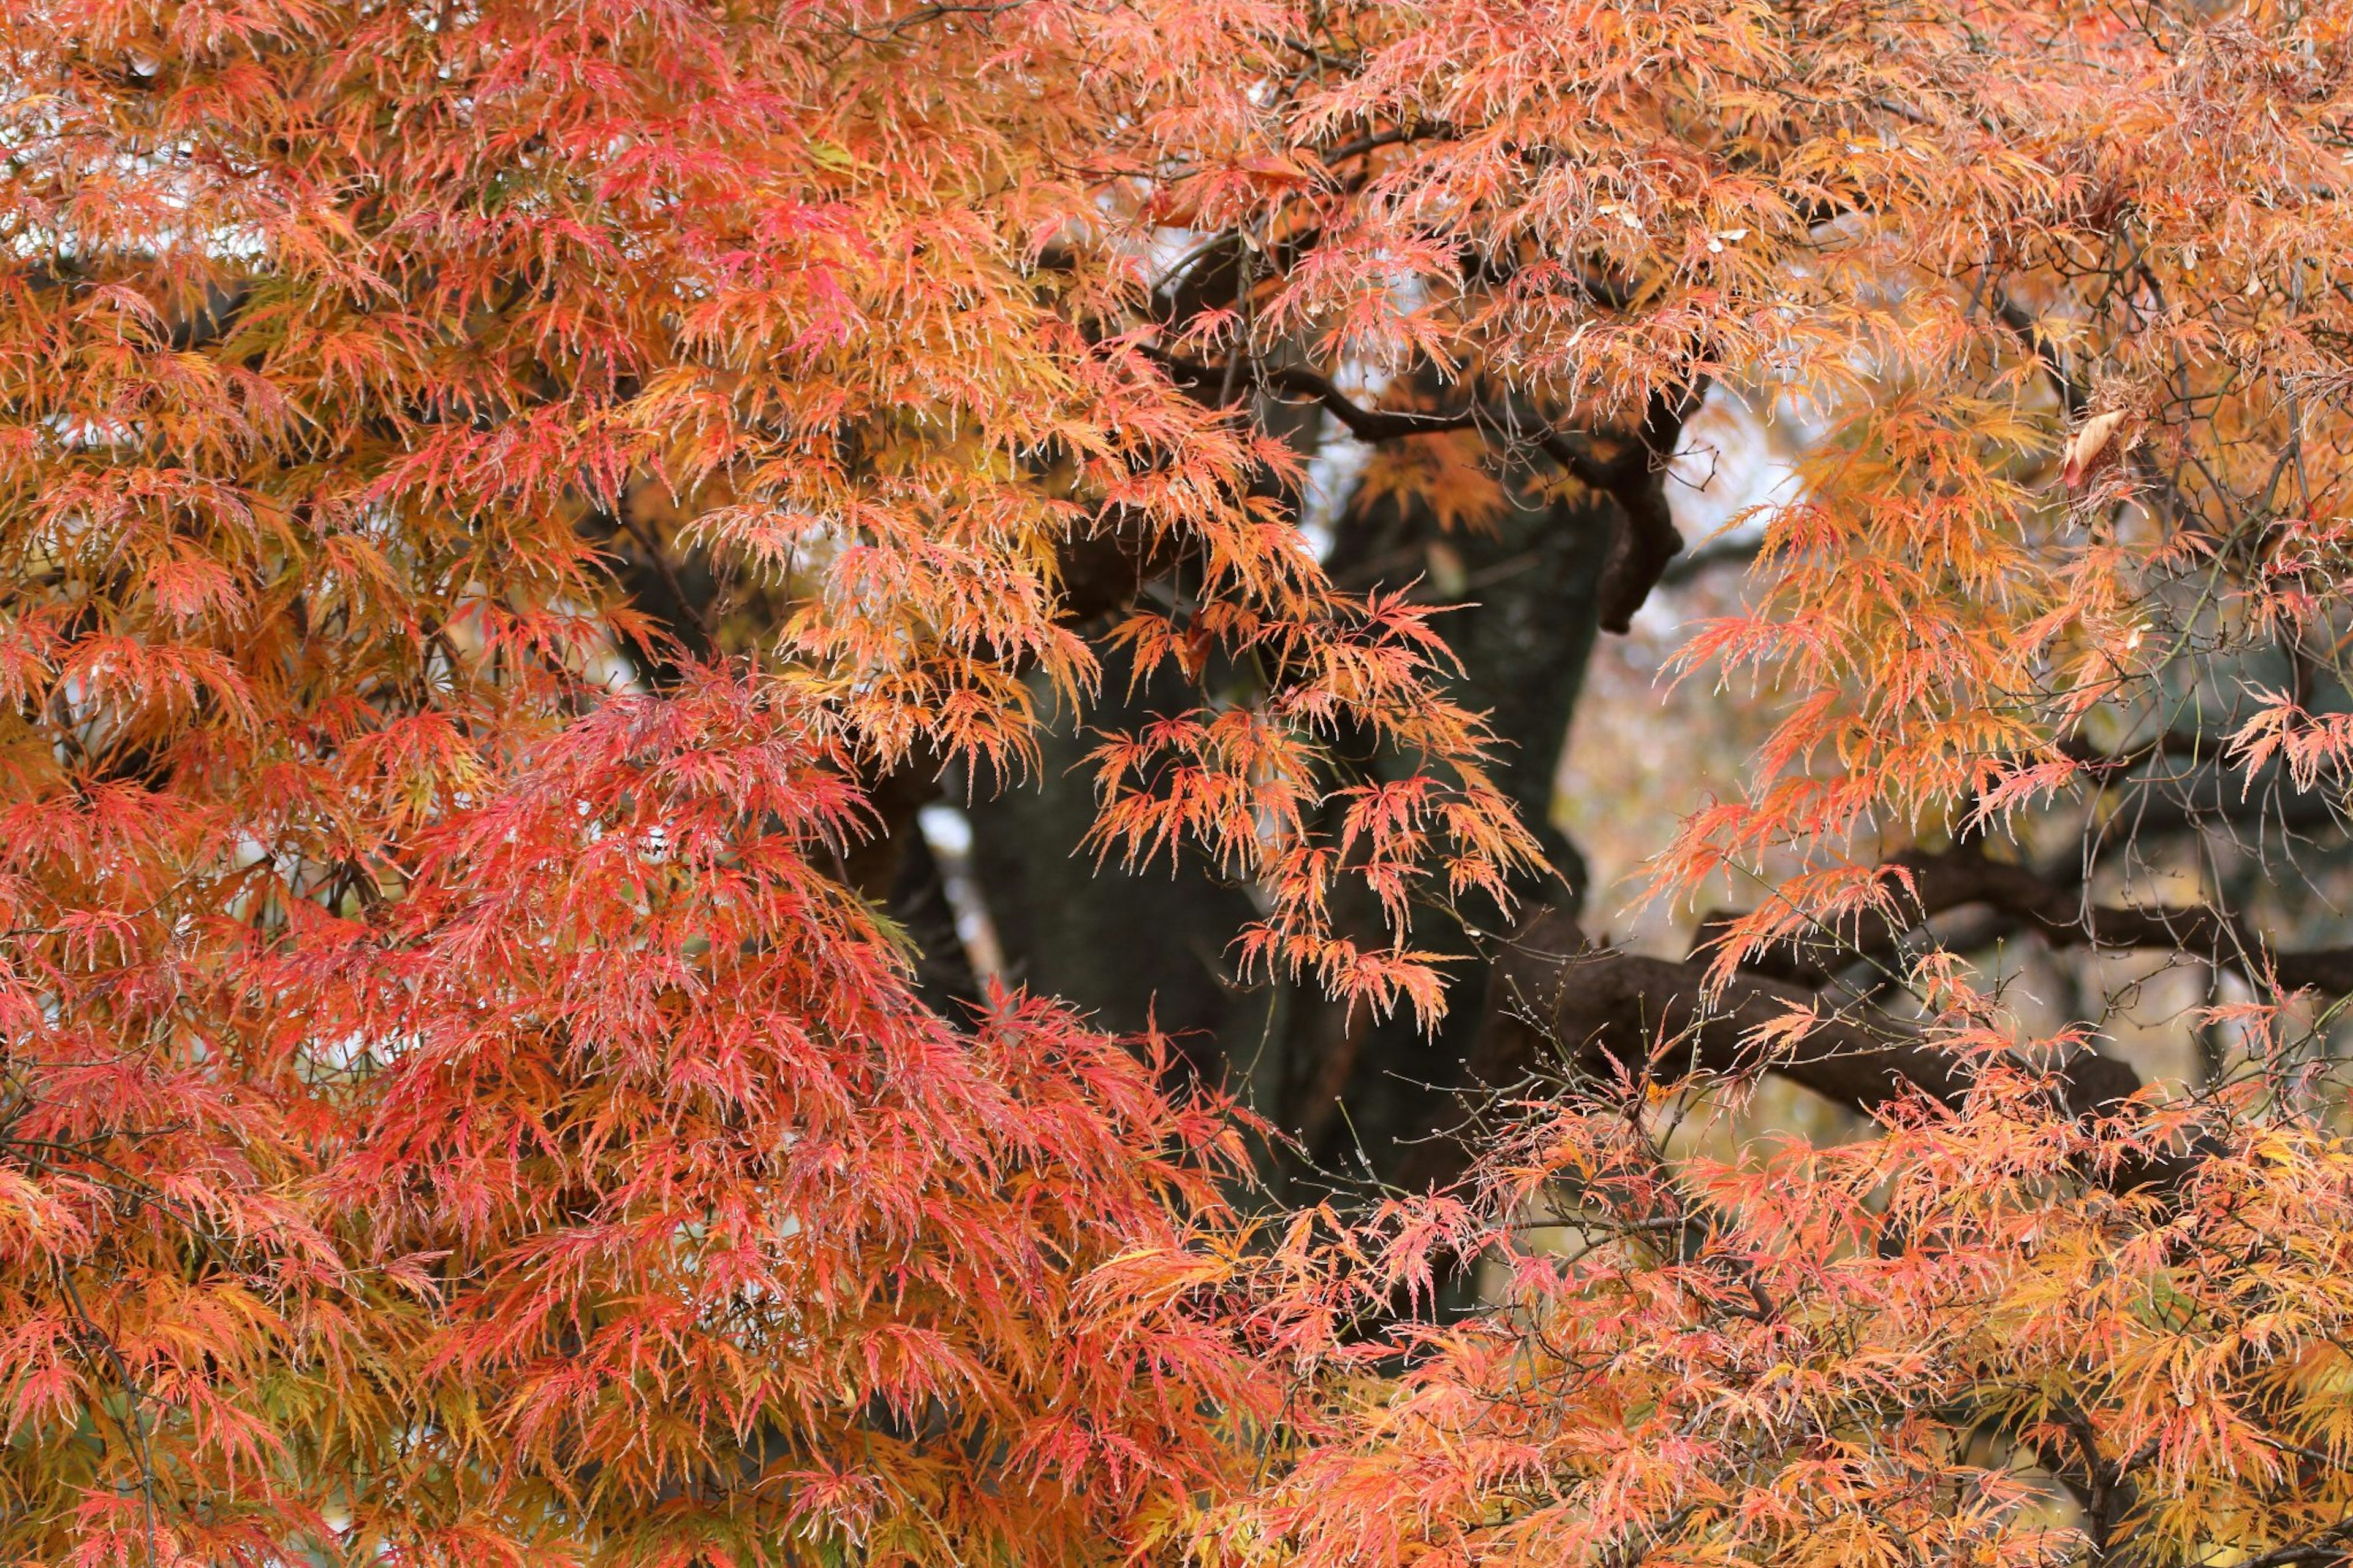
x=1856, y=1353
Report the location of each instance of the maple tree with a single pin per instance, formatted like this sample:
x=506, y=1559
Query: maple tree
x=513, y=512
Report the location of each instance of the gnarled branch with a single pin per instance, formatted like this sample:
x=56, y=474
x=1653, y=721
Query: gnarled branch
x=1634, y=476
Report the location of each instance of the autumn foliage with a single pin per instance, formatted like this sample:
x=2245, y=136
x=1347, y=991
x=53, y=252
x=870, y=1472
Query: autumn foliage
x=506, y=506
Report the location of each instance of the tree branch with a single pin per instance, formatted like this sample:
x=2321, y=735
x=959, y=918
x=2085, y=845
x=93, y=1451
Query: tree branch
x=2028, y=328
x=1634, y=477
x=2060, y=912
x=1395, y=136
x=1554, y=992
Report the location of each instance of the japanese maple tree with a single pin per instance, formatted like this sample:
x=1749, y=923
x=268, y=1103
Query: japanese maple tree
x=515, y=514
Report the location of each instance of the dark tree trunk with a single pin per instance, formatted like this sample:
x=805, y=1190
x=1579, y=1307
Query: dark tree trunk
x=1359, y=1094
x=1366, y=1096
x=1134, y=949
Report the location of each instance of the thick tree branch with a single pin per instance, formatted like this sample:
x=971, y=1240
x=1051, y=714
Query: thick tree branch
x=2061, y=913
x=1635, y=478
x=1553, y=994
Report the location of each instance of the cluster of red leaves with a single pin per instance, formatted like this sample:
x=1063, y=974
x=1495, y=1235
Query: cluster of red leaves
x=606, y=1192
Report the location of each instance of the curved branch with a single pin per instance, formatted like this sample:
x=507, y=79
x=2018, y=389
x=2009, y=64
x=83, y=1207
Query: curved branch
x=1637, y=479
x=1634, y=477
x=2047, y=351
x=1396, y=136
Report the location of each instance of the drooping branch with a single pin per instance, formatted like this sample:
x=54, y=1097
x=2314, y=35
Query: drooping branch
x=2209, y=795
x=2103, y=763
